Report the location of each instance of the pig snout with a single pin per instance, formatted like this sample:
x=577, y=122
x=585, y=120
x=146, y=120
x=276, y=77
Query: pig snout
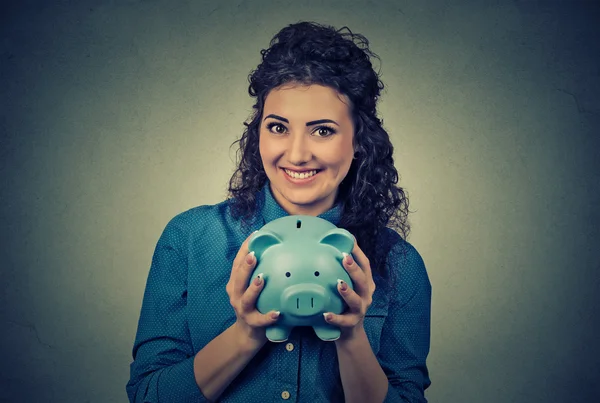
x=304, y=299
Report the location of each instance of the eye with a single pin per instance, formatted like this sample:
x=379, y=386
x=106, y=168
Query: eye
x=276, y=128
x=288, y=274
x=324, y=131
x=317, y=274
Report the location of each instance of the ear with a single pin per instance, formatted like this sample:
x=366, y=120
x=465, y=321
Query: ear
x=340, y=239
x=261, y=241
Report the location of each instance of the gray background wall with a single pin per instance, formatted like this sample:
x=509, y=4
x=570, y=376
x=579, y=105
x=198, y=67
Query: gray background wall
x=117, y=115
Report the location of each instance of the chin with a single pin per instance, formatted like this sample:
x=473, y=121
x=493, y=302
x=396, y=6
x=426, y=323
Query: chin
x=305, y=199
x=301, y=200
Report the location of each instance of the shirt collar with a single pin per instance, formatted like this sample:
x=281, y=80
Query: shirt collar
x=271, y=210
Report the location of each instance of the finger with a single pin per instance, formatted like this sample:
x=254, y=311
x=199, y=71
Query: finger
x=365, y=264
x=352, y=299
x=358, y=276
x=242, y=274
x=362, y=259
x=257, y=319
x=242, y=252
x=249, y=297
x=348, y=320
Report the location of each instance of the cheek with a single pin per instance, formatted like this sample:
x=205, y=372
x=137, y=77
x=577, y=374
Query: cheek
x=263, y=148
x=343, y=155
x=270, y=151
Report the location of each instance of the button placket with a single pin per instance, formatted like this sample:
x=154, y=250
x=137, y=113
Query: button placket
x=285, y=371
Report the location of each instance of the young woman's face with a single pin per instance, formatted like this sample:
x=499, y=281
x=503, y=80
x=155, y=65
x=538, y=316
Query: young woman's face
x=306, y=146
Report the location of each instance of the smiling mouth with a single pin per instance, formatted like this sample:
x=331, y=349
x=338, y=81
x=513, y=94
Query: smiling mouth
x=300, y=175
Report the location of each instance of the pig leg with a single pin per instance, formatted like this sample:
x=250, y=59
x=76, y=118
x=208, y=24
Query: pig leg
x=278, y=333
x=327, y=332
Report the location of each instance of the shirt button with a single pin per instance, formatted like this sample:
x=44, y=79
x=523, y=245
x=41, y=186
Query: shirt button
x=285, y=395
x=289, y=347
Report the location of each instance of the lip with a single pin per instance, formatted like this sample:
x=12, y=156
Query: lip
x=300, y=181
x=301, y=171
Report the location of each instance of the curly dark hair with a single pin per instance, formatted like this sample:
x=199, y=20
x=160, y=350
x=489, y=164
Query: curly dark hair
x=309, y=53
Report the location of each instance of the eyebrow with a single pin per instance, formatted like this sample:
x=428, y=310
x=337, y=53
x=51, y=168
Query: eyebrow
x=311, y=123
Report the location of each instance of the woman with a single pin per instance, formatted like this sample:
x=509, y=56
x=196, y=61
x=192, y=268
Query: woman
x=313, y=146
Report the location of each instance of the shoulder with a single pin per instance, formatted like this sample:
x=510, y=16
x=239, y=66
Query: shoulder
x=197, y=221
x=405, y=266
x=401, y=252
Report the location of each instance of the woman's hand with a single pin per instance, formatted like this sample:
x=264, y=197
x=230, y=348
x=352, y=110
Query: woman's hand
x=242, y=297
x=359, y=299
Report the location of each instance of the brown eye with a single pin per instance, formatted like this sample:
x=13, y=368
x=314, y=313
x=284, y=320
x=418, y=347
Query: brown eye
x=324, y=131
x=276, y=128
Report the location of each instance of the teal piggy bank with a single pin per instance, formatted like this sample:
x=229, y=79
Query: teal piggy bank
x=300, y=259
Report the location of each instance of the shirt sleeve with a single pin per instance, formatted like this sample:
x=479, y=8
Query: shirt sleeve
x=406, y=332
x=163, y=358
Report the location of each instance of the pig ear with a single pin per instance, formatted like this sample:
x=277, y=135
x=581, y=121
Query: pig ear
x=340, y=239
x=261, y=241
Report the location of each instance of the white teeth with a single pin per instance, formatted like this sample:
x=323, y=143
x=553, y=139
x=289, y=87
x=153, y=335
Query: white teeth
x=298, y=175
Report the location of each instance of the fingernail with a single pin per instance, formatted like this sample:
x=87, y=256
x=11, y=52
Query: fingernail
x=258, y=280
x=275, y=314
x=327, y=316
x=250, y=258
x=342, y=284
x=347, y=258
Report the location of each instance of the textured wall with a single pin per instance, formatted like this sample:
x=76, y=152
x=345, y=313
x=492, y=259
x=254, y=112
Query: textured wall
x=117, y=115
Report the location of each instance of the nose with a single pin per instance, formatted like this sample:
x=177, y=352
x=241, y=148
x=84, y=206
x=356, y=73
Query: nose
x=304, y=299
x=299, y=150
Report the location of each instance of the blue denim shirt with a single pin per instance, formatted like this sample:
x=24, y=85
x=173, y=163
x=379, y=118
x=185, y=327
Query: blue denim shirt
x=185, y=306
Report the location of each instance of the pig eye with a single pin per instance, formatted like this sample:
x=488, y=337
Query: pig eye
x=287, y=274
x=317, y=274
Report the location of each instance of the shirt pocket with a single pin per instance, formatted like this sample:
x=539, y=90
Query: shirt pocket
x=373, y=324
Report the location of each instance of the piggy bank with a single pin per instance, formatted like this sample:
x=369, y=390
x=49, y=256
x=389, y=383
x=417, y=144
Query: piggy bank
x=300, y=259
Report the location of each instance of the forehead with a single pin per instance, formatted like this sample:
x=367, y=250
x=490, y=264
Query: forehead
x=307, y=102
